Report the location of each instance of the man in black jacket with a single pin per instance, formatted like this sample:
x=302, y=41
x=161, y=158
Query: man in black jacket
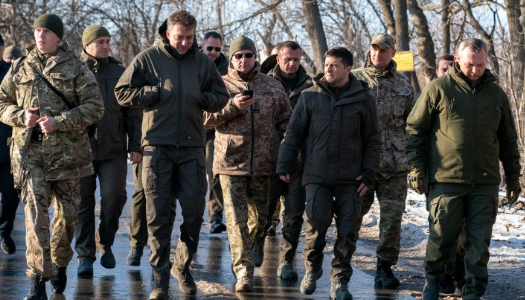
x=9, y=197
x=337, y=119
x=116, y=134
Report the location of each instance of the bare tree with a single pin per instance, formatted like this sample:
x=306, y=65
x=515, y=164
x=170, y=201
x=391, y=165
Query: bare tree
x=314, y=27
x=425, y=44
x=445, y=25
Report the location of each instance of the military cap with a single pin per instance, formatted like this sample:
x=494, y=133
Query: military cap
x=93, y=32
x=12, y=51
x=384, y=41
x=242, y=43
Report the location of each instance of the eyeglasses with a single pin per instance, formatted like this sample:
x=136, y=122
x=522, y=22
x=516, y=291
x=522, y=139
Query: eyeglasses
x=240, y=55
x=209, y=48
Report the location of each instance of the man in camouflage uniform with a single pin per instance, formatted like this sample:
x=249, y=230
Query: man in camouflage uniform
x=243, y=158
x=294, y=79
x=50, y=147
x=394, y=98
x=212, y=46
x=459, y=130
x=115, y=134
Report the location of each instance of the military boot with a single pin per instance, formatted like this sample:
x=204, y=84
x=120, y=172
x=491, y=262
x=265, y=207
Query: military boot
x=385, y=279
x=85, y=267
x=258, y=252
x=244, y=284
x=59, y=280
x=134, y=256
x=286, y=271
x=37, y=290
x=431, y=290
x=161, y=279
x=339, y=291
x=447, y=284
x=186, y=282
x=107, y=259
x=308, y=284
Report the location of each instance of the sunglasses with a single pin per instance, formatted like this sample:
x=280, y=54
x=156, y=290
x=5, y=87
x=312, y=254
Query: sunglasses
x=240, y=55
x=209, y=48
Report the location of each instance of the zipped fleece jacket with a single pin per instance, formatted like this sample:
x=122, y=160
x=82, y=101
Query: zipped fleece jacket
x=243, y=138
x=341, y=135
x=174, y=90
x=459, y=129
x=119, y=129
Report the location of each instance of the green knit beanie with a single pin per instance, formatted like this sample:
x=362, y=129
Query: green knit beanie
x=51, y=22
x=93, y=32
x=242, y=43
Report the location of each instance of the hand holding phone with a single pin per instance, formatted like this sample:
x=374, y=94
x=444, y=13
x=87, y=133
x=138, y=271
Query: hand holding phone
x=248, y=93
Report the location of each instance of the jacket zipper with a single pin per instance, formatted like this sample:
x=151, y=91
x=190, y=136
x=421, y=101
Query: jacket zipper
x=179, y=100
x=474, y=125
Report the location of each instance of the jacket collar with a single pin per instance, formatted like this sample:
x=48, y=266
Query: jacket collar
x=301, y=75
x=353, y=89
x=459, y=77
x=250, y=77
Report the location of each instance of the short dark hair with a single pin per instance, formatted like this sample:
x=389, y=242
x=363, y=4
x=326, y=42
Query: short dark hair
x=446, y=57
x=473, y=44
x=182, y=18
x=288, y=44
x=341, y=52
x=212, y=34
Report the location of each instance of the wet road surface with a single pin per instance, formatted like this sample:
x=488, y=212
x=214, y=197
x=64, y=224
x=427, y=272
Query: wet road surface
x=211, y=269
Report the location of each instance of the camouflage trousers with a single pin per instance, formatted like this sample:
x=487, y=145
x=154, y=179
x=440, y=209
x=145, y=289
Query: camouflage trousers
x=38, y=194
x=215, y=200
x=391, y=194
x=450, y=206
x=246, y=209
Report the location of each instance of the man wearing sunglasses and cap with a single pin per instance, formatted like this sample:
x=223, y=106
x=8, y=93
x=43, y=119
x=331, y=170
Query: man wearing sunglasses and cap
x=49, y=98
x=212, y=46
x=243, y=158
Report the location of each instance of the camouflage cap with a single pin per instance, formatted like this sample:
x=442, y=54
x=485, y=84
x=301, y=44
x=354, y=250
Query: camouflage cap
x=384, y=41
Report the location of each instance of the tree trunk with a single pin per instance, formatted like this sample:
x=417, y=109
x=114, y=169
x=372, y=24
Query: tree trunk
x=425, y=44
x=314, y=27
x=402, y=38
x=390, y=22
x=445, y=25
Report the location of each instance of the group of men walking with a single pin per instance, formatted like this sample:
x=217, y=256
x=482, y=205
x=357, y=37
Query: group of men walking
x=327, y=146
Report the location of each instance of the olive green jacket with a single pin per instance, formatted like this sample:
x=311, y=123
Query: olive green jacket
x=458, y=130
x=67, y=153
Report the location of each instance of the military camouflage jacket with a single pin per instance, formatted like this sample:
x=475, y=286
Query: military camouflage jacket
x=394, y=98
x=67, y=153
x=244, y=138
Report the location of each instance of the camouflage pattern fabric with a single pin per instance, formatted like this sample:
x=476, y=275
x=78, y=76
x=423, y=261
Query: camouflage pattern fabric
x=394, y=98
x=246, y=209
x=38, y=194
x=67, y=152
x=391, y=194
x=244, y=139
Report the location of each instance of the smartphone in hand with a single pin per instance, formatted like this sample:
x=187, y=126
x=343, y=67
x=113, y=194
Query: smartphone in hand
x=248, y=93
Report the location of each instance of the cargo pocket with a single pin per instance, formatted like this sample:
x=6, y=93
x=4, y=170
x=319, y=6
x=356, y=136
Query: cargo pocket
x=150, y=169
x=16, y=159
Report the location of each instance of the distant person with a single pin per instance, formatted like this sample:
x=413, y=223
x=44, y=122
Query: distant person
x=174, y=83
x=12, y=53
x=212, y=47
x=243, y=158
x=337, y=119
x=394, y=98
x=9, y=196
x=459, y=130
x=50, y=98
x=114, y=136
x=443, y=64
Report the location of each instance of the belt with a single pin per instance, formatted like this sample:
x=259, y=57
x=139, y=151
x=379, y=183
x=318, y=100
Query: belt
x=37, y=136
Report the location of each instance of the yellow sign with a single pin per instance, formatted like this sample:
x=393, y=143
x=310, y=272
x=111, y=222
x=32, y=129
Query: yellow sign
x=404, y=61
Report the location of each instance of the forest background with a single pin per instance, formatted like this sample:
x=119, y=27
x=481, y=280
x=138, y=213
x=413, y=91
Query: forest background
x=429, y=28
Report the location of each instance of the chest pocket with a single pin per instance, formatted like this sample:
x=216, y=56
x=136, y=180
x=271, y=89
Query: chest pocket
x=401, y=98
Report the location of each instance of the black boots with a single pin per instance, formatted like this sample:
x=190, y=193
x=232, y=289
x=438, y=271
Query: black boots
x=431, y=290
x=385, y=279
x=59, y=280
x=134, y=256
x=161, y=291
x=37, y=290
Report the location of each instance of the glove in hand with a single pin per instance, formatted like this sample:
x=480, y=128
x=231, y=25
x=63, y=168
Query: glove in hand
x=418, y=181
x=513, y=190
